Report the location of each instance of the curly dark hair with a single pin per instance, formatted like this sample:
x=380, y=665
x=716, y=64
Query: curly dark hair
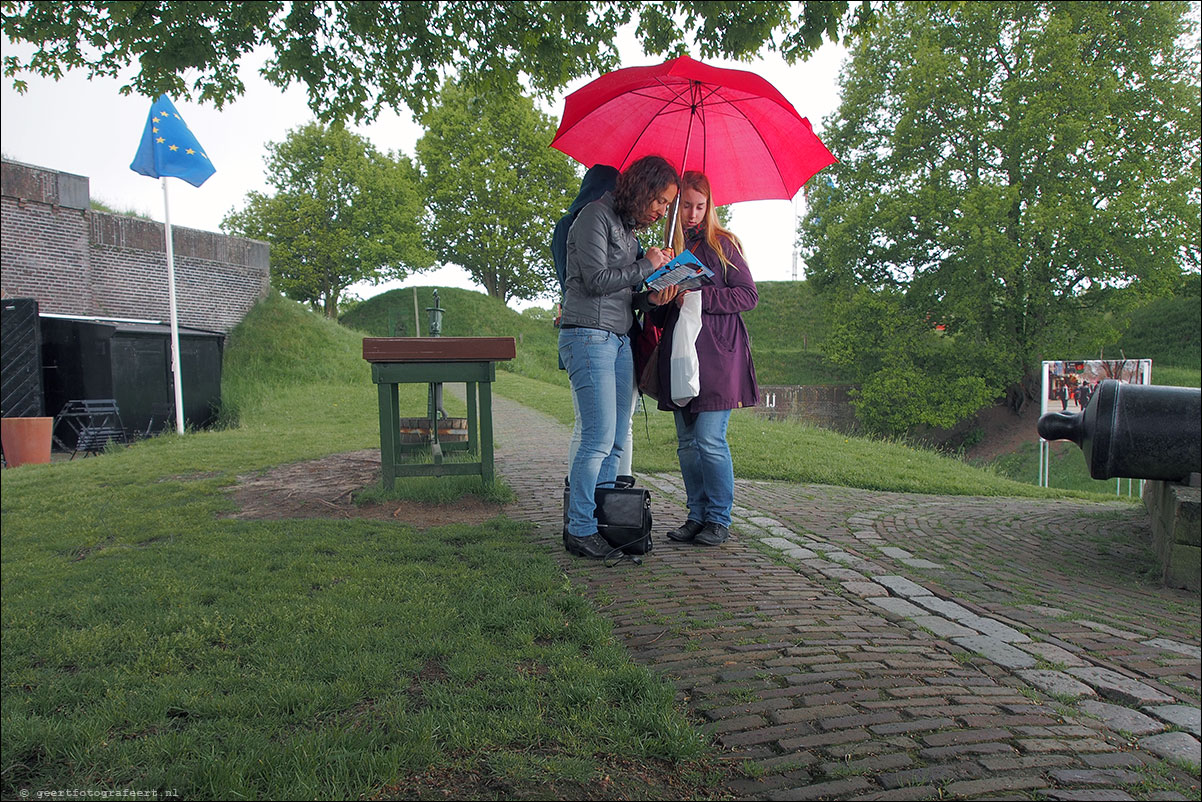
x=639, y=184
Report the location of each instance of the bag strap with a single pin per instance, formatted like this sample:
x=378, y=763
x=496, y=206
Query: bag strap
x=622, y=557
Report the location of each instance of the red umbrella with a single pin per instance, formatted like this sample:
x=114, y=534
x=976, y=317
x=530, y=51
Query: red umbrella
x=731, y=125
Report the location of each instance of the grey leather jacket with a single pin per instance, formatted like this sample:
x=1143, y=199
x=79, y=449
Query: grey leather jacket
x=603, y=270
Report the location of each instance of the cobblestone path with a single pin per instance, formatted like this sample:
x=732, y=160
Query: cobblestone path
x=852, y=644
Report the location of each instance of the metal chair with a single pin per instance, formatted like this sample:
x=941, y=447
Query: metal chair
x=91, y=423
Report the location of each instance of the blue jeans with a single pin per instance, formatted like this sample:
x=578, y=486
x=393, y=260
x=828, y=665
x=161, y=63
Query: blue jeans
x=705, y=465
x=601, y=368
x=625, y=468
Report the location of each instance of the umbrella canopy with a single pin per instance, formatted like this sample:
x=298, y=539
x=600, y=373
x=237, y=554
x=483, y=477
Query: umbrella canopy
x=732, y=125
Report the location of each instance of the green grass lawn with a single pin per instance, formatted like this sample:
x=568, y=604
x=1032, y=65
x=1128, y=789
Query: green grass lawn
x=1066, y=469
x=151, y=643
x=792, y=452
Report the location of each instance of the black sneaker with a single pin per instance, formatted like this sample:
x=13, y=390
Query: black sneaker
x=712, y=534
x=686, y=531
x=594, y=546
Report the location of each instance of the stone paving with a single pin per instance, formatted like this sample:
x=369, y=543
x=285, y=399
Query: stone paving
x=854, y=644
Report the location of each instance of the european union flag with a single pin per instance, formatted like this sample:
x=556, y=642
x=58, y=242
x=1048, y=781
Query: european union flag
x=169, y=149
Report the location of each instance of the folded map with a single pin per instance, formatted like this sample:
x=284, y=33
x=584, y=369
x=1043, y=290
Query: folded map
x=685, y=270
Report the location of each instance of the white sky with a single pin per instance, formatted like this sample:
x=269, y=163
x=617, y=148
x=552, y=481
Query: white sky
x=86, y=127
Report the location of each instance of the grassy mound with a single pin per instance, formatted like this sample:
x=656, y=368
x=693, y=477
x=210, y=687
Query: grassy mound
x=467, y=314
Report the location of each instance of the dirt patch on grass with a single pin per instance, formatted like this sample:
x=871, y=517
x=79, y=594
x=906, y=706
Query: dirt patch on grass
x=465, y=777
x=1005, y=431
x=326, y=488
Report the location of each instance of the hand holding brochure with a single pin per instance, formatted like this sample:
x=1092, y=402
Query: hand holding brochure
x=685, y=270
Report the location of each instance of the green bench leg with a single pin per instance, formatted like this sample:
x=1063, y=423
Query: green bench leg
x=390, y=433
x=473, y=433
x=486, y=444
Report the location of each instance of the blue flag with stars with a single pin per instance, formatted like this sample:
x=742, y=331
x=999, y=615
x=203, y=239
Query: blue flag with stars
x=169, y=149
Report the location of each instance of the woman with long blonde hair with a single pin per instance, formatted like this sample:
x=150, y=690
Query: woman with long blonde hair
x=726, y=371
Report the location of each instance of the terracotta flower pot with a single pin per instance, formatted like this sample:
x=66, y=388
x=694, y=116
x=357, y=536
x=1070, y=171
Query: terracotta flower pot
x=26, y=440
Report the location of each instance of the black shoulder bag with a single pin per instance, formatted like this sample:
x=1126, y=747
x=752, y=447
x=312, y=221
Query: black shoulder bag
x=623, y=519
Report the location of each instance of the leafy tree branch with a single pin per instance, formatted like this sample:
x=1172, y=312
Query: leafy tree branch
x=356, y=58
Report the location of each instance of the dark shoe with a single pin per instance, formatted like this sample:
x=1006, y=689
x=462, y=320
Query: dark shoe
x=624, y=482
x=712, y=534
x=686, y=531
x=594, y=546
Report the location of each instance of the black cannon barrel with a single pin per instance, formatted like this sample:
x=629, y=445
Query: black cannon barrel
x=1136, y=431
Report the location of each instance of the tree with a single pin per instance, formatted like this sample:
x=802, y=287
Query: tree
x=1005, y=169
x=358, y=57
x=494, y=189
x=342, y=213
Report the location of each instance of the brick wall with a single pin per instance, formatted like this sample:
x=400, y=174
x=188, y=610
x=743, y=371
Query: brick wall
x=73, y=260
x=828, y=406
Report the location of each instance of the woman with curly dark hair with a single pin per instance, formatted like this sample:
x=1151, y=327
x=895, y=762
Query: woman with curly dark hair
x=603, y=273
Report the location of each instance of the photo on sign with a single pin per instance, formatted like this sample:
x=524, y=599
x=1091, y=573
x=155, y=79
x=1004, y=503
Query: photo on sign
x=1070, y=384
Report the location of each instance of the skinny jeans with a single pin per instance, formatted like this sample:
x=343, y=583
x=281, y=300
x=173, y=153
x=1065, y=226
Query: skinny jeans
x=705, y=465
x=601, y=369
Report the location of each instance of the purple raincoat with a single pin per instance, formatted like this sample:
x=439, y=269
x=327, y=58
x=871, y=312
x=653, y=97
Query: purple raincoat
x=726, y=372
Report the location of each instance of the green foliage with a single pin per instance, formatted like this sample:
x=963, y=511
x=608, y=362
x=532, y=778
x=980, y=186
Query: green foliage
x=467, y=313
x=1004, y=168
x=1067, y=469
x=439, y=489
x=790, y=314
x=494, y=189
x=780, y=357
x=1176, y=377
x=789, y=366
x=789, y=329
x=99, y=205
x=281, y=344
x=357, y=58
x=910, y=374
x=342, y=213
x=151, y=643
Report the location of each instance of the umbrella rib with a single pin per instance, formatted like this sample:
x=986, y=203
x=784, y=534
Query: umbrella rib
x=678, y=98
x=667, y=103
x=760, y=136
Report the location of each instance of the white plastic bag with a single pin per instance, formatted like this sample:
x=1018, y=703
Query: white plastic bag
x=684, y=376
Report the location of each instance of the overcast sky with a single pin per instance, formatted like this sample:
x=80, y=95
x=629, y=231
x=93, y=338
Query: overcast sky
x=88, y=128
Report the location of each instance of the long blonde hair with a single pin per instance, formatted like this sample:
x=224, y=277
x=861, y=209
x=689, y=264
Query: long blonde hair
x=714, y=231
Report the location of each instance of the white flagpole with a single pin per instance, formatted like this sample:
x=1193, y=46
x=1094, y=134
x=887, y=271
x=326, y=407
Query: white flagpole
x=179, y=386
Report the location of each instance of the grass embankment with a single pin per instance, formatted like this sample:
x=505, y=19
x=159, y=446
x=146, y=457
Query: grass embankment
x=151, y=644
x=787, y=330
x=467, y=314
x=762, y=449
x=787, y=451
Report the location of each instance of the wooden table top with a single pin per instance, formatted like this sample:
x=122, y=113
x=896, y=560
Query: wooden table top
x=439, y=349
